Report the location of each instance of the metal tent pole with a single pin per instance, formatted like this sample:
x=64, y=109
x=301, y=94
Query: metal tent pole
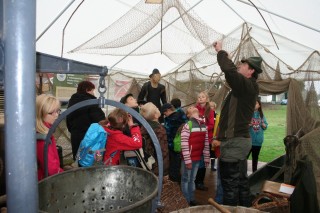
x=19, y=68
x=275, y=14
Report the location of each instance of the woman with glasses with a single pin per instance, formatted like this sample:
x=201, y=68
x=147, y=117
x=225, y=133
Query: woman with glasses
x=47, y=111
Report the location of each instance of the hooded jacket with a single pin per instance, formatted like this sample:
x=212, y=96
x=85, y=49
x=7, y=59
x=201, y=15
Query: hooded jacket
x=117, y=142
x=172, y=124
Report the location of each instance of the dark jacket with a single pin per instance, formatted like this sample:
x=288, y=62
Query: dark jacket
x=160, y=132
x=153, y=95
x=79, y=121
x=172, y=124
x=238, y=107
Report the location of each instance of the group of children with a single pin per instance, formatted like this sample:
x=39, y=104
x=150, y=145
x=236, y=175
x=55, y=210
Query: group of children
x=125, y=133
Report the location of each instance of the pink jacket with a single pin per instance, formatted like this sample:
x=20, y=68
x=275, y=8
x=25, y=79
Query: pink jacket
x=53, y=158
x=209, y=120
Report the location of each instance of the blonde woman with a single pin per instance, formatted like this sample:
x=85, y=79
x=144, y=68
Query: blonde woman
x=47, y=111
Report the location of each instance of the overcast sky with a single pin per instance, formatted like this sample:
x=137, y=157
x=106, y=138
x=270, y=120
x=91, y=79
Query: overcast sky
x=214, y=12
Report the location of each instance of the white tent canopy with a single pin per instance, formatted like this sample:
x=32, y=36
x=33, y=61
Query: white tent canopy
x=224, y=17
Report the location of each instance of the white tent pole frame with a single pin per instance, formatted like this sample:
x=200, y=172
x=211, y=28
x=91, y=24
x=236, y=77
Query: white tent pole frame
x=58, y=16
x=311, y=28
x=155, y=34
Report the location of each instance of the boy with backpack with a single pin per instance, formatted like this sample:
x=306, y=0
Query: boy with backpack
x=172, y=121
x=194, y=144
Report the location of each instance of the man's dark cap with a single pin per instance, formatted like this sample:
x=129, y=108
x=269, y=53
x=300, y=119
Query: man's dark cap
x=165, y=107
x=254, y=62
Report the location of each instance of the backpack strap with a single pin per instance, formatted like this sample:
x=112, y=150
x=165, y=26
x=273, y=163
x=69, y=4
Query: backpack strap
x=40, y=136
x=142, y=161
x=190, y=125
x=108, y=161
x=98, y=150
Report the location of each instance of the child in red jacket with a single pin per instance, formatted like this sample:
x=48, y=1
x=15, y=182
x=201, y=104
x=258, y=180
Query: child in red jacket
x=117, y=141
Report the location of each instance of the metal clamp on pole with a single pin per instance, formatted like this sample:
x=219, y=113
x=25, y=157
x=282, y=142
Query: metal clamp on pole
x=102, y=86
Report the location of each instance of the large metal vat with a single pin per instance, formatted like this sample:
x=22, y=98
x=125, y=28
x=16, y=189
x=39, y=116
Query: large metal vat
x=99, y=189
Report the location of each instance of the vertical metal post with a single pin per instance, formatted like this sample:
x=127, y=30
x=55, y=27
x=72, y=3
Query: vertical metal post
x=20, y=57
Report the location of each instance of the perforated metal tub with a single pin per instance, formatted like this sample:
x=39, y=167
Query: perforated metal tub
x=99, y=189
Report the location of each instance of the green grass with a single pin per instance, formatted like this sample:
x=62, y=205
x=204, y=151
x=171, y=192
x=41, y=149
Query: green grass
x=273, y=146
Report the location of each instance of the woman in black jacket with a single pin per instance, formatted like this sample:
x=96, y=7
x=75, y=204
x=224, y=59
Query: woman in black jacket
x=79, y=121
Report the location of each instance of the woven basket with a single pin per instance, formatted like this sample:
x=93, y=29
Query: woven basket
x=172, y=198
x=276, y=205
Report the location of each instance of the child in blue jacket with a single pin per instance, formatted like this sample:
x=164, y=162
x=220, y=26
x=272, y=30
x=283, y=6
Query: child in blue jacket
x=257, y=127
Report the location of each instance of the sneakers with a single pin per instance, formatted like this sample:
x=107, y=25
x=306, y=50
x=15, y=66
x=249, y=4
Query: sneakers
x=193, y=203
x=200, y=186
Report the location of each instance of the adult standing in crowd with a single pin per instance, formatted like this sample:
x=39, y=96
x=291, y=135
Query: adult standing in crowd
x=47, y=111
x=234, y=123
x=79, y=121
x=154, y=92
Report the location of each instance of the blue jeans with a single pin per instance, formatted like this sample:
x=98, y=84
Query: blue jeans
x=188, y=177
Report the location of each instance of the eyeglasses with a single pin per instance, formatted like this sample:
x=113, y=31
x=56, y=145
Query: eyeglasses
x=58, y=111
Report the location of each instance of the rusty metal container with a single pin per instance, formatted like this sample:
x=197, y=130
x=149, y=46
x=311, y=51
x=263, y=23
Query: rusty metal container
x=99, y=189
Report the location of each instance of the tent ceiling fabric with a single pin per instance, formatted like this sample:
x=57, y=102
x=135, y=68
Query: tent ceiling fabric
x=185, y=38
